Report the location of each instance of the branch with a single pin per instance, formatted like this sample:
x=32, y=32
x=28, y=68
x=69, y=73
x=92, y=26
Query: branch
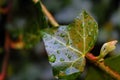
x=102, y=66
x=5, y=60
x=89, y=56
x=47, y=13
x=50, y=17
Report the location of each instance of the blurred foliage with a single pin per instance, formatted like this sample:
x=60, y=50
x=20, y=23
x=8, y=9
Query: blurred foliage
x=26, y=19
x=113, y=63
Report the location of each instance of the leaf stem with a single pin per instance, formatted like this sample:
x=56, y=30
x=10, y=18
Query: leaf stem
x=92, y=58
x=50, y=17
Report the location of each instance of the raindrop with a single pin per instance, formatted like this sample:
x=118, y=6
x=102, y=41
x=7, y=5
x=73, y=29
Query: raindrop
x=69, y=42
x=92, y=30
x=61, y=59
x=89, y=44
x=69, y=56
x=89, y=33
x=52, y=58
x=82, y=25
x=68, y=28
x=58, y=52
x=62, y=35
x=55, y=42
x=66, y=53
x=94, y=37
x=85, y=14
x=89, y=22
x=95, y=25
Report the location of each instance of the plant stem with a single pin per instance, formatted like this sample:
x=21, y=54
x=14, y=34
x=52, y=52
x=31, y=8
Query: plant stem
x=5, y=60
x=92, y=58
x=102, y=66
x=47, y=13
x=49, y=16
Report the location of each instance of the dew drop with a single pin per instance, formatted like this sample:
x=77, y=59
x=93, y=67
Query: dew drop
x=69, y=42
x=66, y=53
x=89, y=22
x=52, y=58
x=69, y=56
x=68, y=28
x=82, y=25
x=94, y=37
x=95, y=25
x=55, y=42
x=92, y=30
x=58, y=52
x=89, y=33
x=62, y=35
x=61, y=59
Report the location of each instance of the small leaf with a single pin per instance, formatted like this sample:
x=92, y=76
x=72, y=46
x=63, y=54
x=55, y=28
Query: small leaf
x=69, y=44
x=106, y=48
x=113, y=63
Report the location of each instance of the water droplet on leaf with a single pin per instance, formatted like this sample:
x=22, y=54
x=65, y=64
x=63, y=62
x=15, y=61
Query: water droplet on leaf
x=52, y=58
x=62, y=35
x=61, y=59
x=58, y=52
x=69, y=56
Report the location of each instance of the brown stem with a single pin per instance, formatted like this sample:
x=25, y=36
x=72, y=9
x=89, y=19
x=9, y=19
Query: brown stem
x=90, y=57
x=102, y=66
x=50, y=17
x=47, y=13
x=5, y=60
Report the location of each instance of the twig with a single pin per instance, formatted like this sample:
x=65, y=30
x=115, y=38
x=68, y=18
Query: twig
x=5, y=60
x=47, y=13
x=50, y=17
x=91, y=58
x=102, y=66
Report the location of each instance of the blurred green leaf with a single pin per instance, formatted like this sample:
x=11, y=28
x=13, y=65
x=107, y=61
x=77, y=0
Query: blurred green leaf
x=27, y=19
x=36, y=22
x=113, y=63
x=2, y=2
x=67, y=45
x=94, y=73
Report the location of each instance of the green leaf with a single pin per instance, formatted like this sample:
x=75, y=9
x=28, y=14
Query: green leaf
x=84, y=31
x=36, y=22
x=113, y=63
x=94, y=73
x=67, y=45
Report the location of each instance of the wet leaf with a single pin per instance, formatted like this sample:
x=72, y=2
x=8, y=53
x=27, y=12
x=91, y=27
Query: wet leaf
x=69, y=44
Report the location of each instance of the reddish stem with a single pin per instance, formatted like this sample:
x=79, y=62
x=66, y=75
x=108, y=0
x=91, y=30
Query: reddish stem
x=5, y=60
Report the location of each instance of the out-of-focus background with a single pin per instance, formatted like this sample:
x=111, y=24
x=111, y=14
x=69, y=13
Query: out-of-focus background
x=32, y=64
